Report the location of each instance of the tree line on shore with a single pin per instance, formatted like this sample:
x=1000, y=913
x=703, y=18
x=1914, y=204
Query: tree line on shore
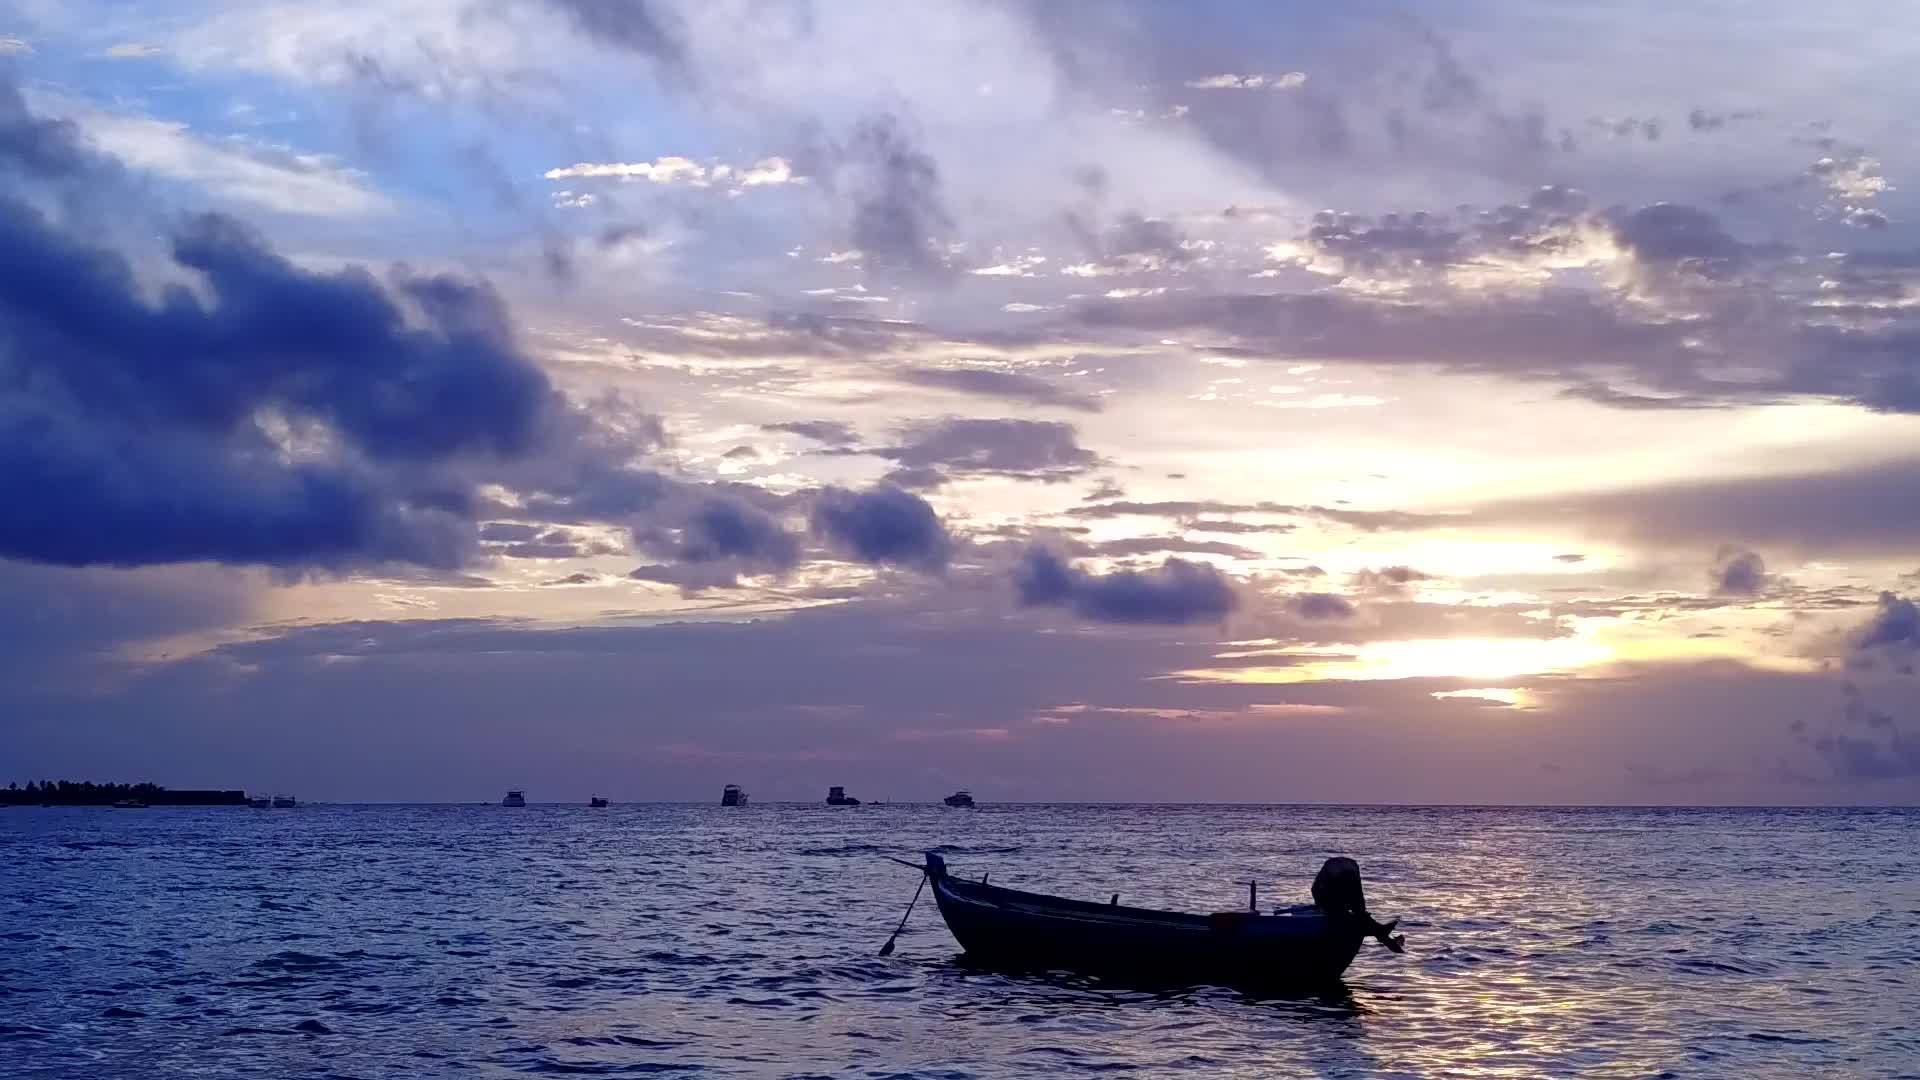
x=88, y=793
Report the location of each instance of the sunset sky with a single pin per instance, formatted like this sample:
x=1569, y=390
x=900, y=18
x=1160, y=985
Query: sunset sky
x=1373, y=402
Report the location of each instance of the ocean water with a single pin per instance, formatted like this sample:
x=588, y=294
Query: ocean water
x=666, y=940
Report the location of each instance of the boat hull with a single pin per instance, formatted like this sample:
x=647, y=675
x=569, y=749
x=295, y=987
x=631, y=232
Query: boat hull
x=1009, y=928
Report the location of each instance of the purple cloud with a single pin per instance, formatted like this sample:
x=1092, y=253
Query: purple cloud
x=1178, y=592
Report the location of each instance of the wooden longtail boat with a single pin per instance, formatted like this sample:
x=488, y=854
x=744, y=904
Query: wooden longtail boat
x=1302, y=947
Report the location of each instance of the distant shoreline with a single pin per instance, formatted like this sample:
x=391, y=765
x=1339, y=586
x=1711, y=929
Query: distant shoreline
x=89, y=793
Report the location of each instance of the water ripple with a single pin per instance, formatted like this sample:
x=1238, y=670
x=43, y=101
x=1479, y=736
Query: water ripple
x=670, y=940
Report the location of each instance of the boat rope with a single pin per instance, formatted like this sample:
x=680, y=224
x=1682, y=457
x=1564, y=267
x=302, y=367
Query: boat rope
x=887, y=949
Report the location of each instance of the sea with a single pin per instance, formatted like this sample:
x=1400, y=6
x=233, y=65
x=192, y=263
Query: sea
x=670, y=940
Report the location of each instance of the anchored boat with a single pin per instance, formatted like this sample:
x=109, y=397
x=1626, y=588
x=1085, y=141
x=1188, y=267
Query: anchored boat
x=596, y=802
x=514, y=798
x=1310, y=945
x=837, y=796
x=959, y=798
x=733, y=795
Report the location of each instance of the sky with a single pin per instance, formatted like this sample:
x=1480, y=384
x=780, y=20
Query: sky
x=1488, y=402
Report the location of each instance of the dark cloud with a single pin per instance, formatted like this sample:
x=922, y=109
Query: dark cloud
x=741, y=453
x=147, y=433
x=899, y=219
x=35, y=146
x=1178, y=592
x=1700, y=119
x=1867, y=744
x=638, y=26
x=830, y=432
x=883, y=526
x=519, y=540
x=1317, y=607
x=1894, y=631
x=1736, y=572
x=1046, y=450
x=509, y=532
x=1671, y=234
x=1389, y=580
x=1006, y=385
x=729, y=529
x=1132, y=243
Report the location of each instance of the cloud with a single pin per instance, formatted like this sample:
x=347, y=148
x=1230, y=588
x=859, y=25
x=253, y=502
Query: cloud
x=39, y=146
x=274, y=415
x=1672, y=234
x=132, y=50
x=1006, y=385
x=1390, y=581
x=1893, y=631
x=1290, y=80
x=1045, y=450
x=643, y=27
x=1189, y=510
x=899, y=218
x=680, y=171
x=519, y=541
x=235, y=169
x=1856, y=510
x=1867, y=744
x=1319, y=607
x=13, y=46
x=830, y=432
x=883, y=526
x=1153, y=545
x=728, y=529
x=1178, y=592
x=1736, y=572
x=121, y=460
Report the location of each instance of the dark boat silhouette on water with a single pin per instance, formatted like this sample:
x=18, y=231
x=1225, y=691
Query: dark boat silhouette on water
x=733, y=795
x=837, y=796
x=1305, y=946
x=596, y=802
x=959, y=798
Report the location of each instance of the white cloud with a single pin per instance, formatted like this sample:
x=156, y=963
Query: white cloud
x=1018, y=266
x=674, y=169
x=13, y=46
x=1291, y=80
x=237, y=169
x=132, y=50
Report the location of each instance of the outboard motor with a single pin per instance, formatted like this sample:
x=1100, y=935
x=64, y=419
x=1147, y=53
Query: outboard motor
x=1337, y=892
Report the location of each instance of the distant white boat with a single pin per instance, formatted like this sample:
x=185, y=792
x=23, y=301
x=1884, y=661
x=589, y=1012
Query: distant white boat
x=259, y=802
x=514, y=798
